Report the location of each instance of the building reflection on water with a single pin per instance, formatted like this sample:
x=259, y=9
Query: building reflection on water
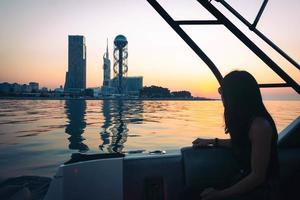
x=117, y=114
x=75, y=111
x=105, y=132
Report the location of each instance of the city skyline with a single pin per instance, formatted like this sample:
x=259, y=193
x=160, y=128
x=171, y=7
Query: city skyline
x=34, y=42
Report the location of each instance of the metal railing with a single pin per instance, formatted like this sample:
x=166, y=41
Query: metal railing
x=223, y=20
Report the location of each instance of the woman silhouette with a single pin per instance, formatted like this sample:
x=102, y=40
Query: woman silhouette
x=253, y=139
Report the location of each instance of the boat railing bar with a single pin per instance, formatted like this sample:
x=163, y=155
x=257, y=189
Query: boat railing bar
x=261, y=10
x=176, y=27
x=273, y=85
x=198, y=22
x=253, y=28
x=251, y=45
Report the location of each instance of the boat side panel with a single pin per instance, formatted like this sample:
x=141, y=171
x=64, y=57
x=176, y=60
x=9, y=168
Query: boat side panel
x=163, y=170
x=97, y=179
x=55, y=189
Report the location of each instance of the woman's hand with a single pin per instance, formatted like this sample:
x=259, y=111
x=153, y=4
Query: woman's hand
x=210, y=194
x=199, y=142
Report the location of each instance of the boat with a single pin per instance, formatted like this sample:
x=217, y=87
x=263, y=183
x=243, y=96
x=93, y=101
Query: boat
x=169, y=175
x=164, y=175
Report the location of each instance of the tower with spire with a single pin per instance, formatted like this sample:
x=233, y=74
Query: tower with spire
x=120, y=84
x=106, y=68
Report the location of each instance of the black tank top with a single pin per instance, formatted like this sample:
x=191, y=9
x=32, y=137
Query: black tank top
x=241, y=146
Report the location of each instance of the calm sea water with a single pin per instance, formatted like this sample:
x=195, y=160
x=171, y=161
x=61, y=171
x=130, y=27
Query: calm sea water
x=36, y=136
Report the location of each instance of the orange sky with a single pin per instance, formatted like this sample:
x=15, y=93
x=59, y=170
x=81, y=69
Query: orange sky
x=34, y=34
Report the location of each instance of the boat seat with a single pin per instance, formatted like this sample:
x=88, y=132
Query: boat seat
x=289, y=159
x=207, y=167
x=289, y=150
x=290, y=136
x=213, y=167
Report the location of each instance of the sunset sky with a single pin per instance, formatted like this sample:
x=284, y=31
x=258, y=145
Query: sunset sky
x=34, y=42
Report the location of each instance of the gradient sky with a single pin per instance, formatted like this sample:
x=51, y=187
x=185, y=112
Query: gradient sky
x=34, y=33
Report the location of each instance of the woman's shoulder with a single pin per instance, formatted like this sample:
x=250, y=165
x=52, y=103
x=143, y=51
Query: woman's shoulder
x=260, y=127
x=261, y=122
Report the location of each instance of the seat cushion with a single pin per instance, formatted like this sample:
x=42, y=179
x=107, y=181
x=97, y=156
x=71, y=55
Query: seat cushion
x=208, y=167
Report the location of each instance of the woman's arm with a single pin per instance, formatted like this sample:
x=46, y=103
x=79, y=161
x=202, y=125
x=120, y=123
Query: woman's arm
x=199, y=142
x=260, y=135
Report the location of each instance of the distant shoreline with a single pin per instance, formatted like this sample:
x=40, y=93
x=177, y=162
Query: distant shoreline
x=125, y=99
x=107, y=98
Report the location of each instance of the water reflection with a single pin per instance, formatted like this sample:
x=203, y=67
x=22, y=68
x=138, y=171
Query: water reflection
x=119, y=129
x=150, y=125
x=75, y=112
x=117, y=115
x=105, y=132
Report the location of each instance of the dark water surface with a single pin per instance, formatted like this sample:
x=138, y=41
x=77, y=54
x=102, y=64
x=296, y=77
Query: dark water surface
x=36, y=136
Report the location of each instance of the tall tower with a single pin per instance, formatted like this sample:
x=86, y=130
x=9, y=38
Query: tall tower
x=76, y=75
x=120, y=60
x=106, y=68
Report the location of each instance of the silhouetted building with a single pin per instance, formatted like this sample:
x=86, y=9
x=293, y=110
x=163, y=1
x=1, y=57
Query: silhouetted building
x=59, y=90
x=19, y=88
x=34, y=86
x=26, y=88
x=5, y=87
x=134, y=84
x=76, y=75
x=130, y=85
x=44, y=89
x=16, y=88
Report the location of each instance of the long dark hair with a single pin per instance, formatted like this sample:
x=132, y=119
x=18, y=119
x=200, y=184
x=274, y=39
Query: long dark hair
x=242, y=102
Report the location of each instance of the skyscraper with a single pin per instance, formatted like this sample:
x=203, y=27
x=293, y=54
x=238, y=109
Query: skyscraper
x=76, y=75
